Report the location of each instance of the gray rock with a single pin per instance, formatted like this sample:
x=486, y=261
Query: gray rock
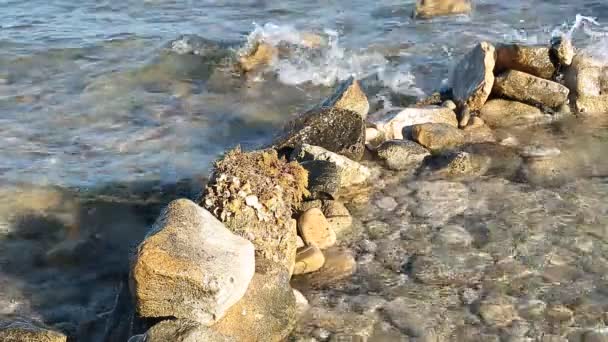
x=391, y=123
x=454, y=236
x=387, y=203
x=411, y=316
x=530, y=89
x=437, y=136
x=505, y=113
x=433, y=8
x=473, y=76
x=534, y=60
x=445, y=268
x=401, y=154
x=24, y=330
x=335, y=325
x=350, y=172
x=587, y=79
x=323, y=179
x=393, y=254
x=439, y=201
x=337, y=130
x=180, y=330
x=190, y=266
x=196, y=45
x=497, y=310
x=459, y=164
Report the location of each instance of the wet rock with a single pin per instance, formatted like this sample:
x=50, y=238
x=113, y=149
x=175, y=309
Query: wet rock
x=444, y=268
x=190, y=266
x=459, y=164
x=401, y=154
x=475, y=122
x=348, y=96
x=433, y=8
x=439, y=201
x=267, y=312
x=391, y=123
x=377, y=229
x=543, y=171
x=534, y=60
x=323, y=179
x=437, y=136
x=393, y=254
x=260, y=55
x=473, y=77
x=338, y=217
x=411, y=316
x=315, y=230
x=253, y=193
x=587, y=79
x=598, y=335
x=180, y=330
x=562, y=50
x=464, y=117
x=302, y=304
x=339, y=265
x=505, y=113
x=23, y=330
x=454, y=236
x=530, y=89
x=195, y=45
x=350, y=172
x=337, y=130
x=387, y=203
x=335, y=325
x=480, y=134
x=560, y=315
x=498, y=311
x=503, y=160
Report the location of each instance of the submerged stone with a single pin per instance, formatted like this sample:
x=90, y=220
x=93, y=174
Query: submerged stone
x=23, y=330
x=339, y=265
x=401, y=154
x=505, y=113
x=308, y=259
x=534, y=60
x=530, y=89
x=473, y=77
x=433, y=8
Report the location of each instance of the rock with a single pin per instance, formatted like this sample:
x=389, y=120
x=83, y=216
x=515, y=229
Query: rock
x=459, y=164
x=195, y=45
x=534, y=60
x=438, y=201
x=267, y=312
x=338, y=217
x=401, y=154
x=315, y=229
x=449, y=104
x=262, y=54
x=498, y=311
x=22, y=330
x=532, y=309
x=597, y=335
x=530, y=89
x=377, y=229
x=392, y=123
x=411, y=316
x=253, y=193
x=302, y=304
x=465, y=116
x=433, y=8
x=373, y=137
x=334, y=325
x=339, y=265
x=480, y=134
x=323, y=179
x=475, y=122
x=560, y=314
x=387, y=203
x=393, y=254
x=445, y=268
x=350, y=172
x=473, y=77
x=348, y=96
x=190, y=266
x=454, y=236
x=299, y=243
x=562, y=50
x=182, y=331
x=505, y=113
x=308, y=259
x=587, y=79
x=337, y=130
x=437, y=136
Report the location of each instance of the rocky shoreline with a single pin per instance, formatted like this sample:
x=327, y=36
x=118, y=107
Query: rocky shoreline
x=275, y=247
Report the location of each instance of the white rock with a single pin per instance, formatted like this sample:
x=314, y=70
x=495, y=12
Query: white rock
x=391, y=122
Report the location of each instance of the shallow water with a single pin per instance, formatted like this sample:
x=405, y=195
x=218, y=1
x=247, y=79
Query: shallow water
x=101, y=124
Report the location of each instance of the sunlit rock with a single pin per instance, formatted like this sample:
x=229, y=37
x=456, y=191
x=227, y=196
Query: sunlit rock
x=473, y=76
x=506, y=113
x=435, y=8
x=534, y=60
x=523, y=87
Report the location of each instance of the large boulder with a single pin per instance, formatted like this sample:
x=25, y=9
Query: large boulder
x=530, y=89
x=253, y=193
x=190, y=266
x=435, y=8
x=473, y=77
x=348, y=96
x=267, y=312
x=22, y=330
x=505, y=113
x=338, y=130
x=587, y=79
x=390, y=123
x=437, y=136
x=350, y=172
x=534, y=60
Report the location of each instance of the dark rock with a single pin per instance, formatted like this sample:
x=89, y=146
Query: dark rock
x=473, y=77
x=534, y=60
x=323, y=179
x=562, y=51
x=530, y=89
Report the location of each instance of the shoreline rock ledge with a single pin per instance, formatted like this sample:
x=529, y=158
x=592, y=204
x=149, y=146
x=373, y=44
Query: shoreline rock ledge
x=190, y=266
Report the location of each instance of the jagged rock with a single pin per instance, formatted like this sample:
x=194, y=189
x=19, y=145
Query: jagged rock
x=534, y=60
x=323, y=179
x=434, y=8
x=391, y=123
x=267, y=312
x=180, y=330
x=348, y=96
x=350, y=172
x=437, y=136
x=261, y=55
x=308, y=259
x=190, y=266
x=315, y=229
x=505, y=113
x=587, y=79
x=338, y=130
x=339, y=265
x=401, y=154
x=473, y=77
x=253, y=193
x=530, y=89
x=562, y=50
x=23, y=330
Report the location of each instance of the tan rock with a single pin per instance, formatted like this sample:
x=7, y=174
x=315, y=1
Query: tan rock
x=348, y=96
x=505, y=113
x=308, y=259
x=534, y=60
x=437, y=136
x=339, y=265
x=190, y=266
x=498, y=311
x=401, y=154
x=182, y=331
x=315, y=229
x=299, y=243
x=530, y=89
x=390, y=123
x=587, y=79
x=260, y=56
x=338, y=217
x=475, y=122
x=22, y=330
x=267, y=312
x=562, y=49
x=434, y=8
x=473, y=77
